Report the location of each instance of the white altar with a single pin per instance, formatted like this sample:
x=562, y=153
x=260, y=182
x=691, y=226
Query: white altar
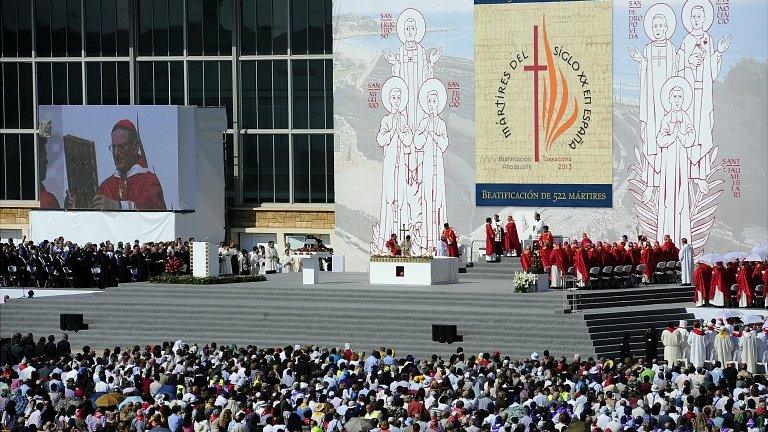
x=204, y=259
x=400, y=271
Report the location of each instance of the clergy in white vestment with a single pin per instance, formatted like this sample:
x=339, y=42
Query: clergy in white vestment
x=225, y=261
x=749, y=349
x=253, y=255
x=696, y=340
x=686, y=262
x=272, y=258
x=671, y=339
x=723, y=346
x=536, y=226
x=681, y=328
x=288, y=261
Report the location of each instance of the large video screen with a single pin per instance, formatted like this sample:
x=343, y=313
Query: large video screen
x=109, y=158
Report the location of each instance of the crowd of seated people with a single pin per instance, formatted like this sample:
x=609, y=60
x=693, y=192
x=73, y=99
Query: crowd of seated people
x=63, y=263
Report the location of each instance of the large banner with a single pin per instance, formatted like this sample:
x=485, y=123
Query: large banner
x=404, y=123
x=682, y=149
x=543, y=107
x=111, y=158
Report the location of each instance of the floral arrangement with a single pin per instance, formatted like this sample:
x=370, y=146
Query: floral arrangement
x=173, y=265
x=401, y=259
x=192, y=280
x=525, y=281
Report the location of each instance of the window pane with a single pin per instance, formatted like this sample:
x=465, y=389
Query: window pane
x=108, y=83
x=229, y=169
x=211, y=27
x=248, y=99
x=123, y=83
x=108, y=27
x=59, y=76
x=329, y=94
x=329, y=149
x=9, y=28
x=11, y=168
x=26, y=107
x=44, y=80
x=144, y=35
x=299, y=26
x=328, y=30
x=42, y=26
x=11, y=95
x=316, y=27
x=175, y=27
x=93, y=82
x=317, y=168
x=282, y=169
x=196, y=83
x=74, y=39
x=177, y=83
x=264, y=76
x=226, y=89
x=161, y=83
x=316, y=94
x=264, y=26
x=194, y=27
x=280, y=78
x=250, y=175
x=146, y=83
x=27, y=158
x=75, y=83
x=266, y=169
x=225, y=27
x=59, y=27
x=248, y=27
x=123, y=23
x=301, y=168
x=92, y=27
x=300, y=94
x=3, y=170
x=279, y=27
x=160, y=24
x=24, y=24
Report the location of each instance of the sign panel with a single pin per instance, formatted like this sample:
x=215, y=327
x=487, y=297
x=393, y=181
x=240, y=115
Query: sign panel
x=543, y=106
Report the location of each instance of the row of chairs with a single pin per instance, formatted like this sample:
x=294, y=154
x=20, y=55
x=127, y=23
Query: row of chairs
x=624, y=276
x=667, y=272
x=759, y=296
x=46, y=277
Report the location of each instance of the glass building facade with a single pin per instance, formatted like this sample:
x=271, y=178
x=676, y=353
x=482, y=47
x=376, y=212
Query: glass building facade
x=268, y=62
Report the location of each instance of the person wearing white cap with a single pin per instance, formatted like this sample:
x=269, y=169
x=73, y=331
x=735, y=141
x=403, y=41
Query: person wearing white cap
x=671, y=339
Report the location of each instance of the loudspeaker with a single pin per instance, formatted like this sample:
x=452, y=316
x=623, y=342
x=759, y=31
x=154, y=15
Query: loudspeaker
x=444, y=333
x=71, y=322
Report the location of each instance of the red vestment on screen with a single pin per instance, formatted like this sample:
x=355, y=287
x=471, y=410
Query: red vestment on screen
x=140, y=189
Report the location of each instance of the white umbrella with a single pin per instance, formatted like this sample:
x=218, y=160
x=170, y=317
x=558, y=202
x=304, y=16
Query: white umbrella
x=735, y=256
x=751, y=319
x=753, y=257
x=710, y=259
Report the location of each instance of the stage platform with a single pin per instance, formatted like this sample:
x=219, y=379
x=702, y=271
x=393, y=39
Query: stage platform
x=344, y=307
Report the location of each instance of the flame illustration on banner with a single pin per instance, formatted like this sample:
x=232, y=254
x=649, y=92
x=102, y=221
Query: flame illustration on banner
x=553, y=127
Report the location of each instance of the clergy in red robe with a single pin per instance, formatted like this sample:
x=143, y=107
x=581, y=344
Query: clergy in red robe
x=559, y=268
x=719, y=291
x=526, y=259
x=731, y=268
x=546, y=237
x=636, y=254
x=619, y=255
x=745, y=291
x=546, y=255
x=133, y=186
x=511, y=239
x=585, y=240
x=581, y=264
x=757, y=274
x=451, y=241
x=392, y=246
x=490, y=241
x=702, y=279
x=671, y=251
x=647, y=259
x=567, y=255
